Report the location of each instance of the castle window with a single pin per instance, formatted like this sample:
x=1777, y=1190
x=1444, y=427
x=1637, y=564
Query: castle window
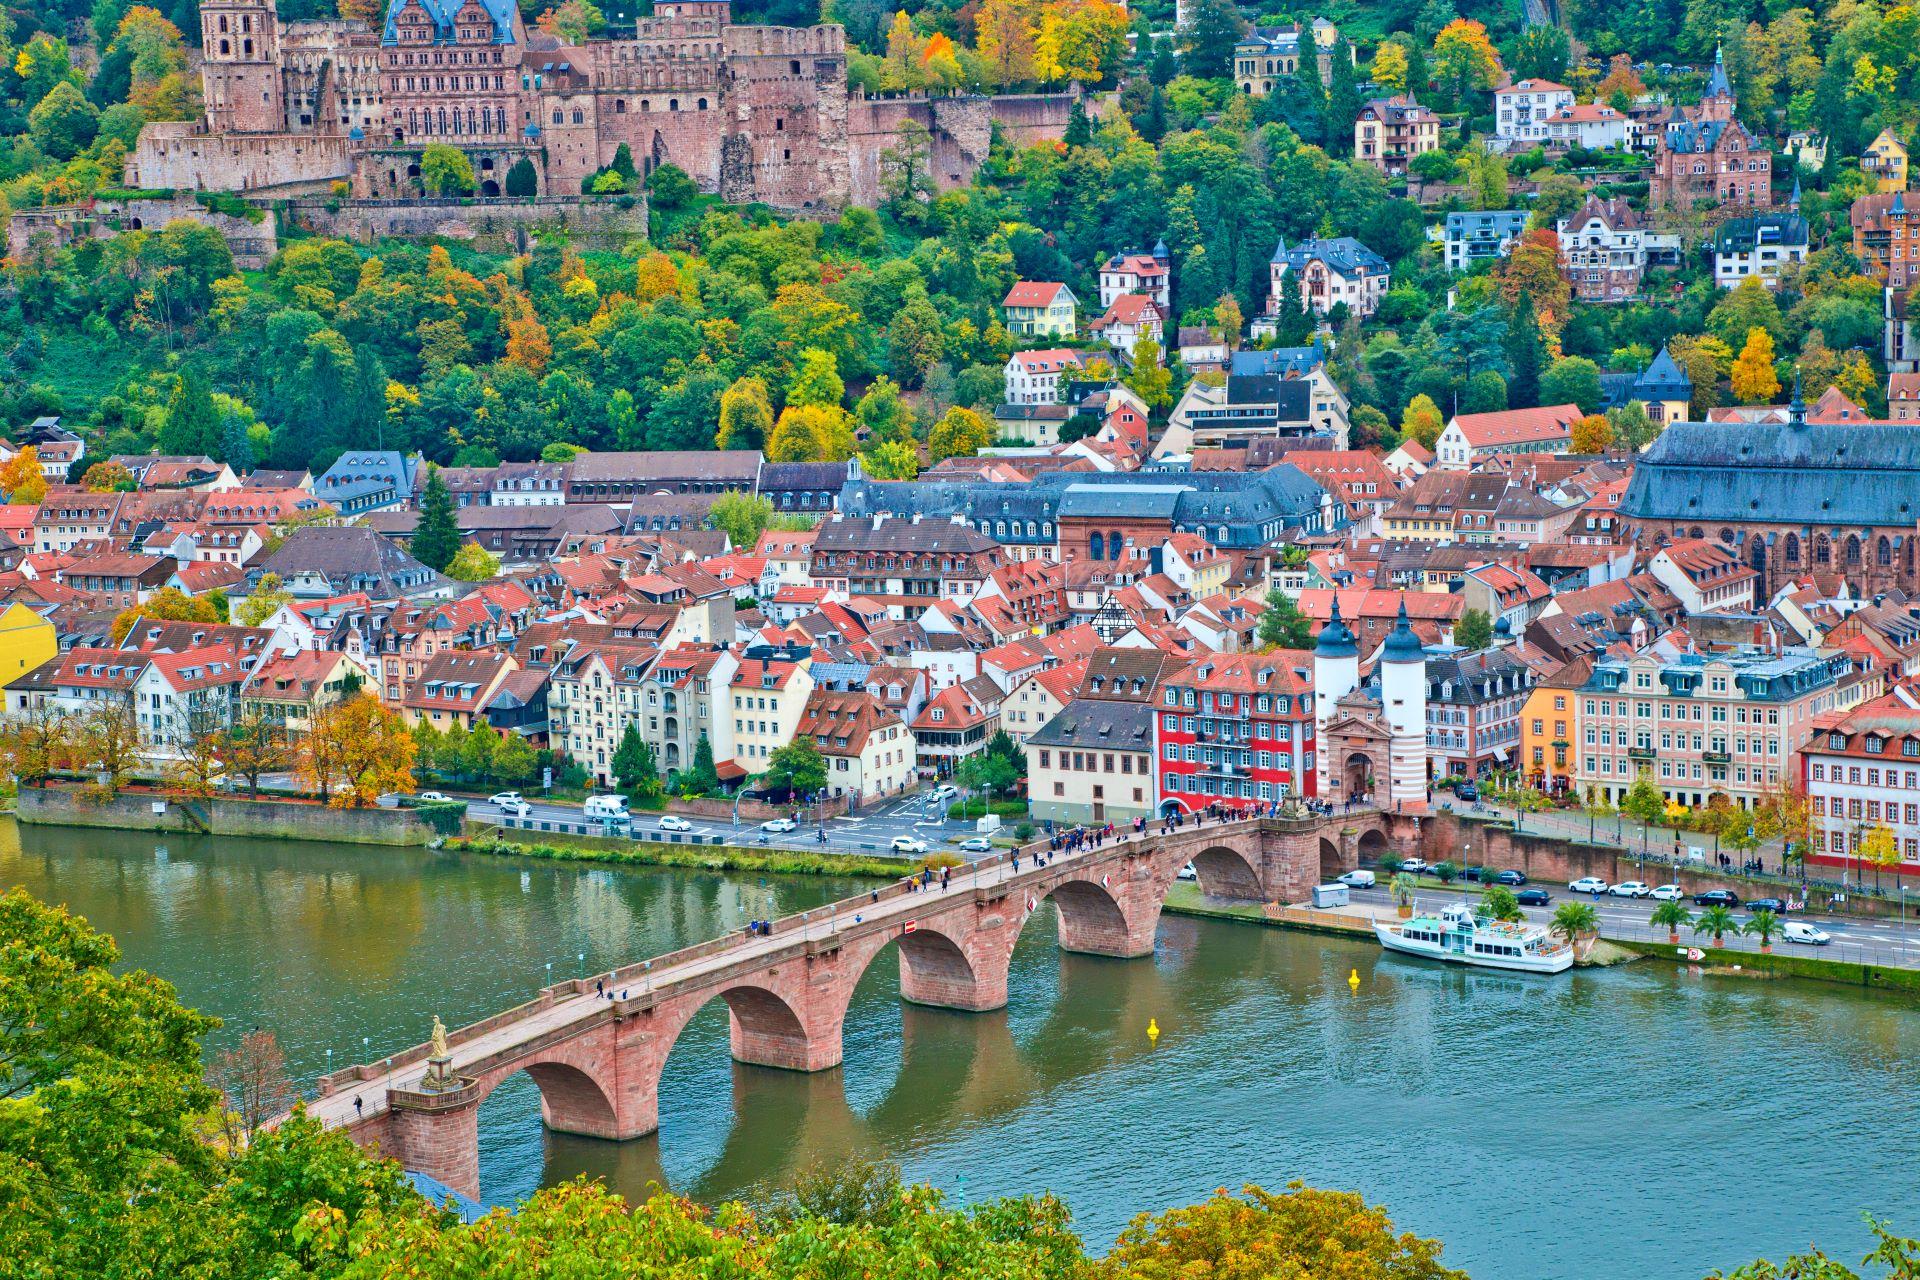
x=619, y=106
x=225, y=47
x=779, y=124
x=246, y=48
x=578, y=116
x=558, y=118
x=673, y=104
x=223, y=22
x=794, y=67
x=702, y=104
x=246, y=22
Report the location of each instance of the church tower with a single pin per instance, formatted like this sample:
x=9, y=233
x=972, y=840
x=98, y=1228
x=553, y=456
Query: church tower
x=240, y=43
x=1403, y=700
x=1717, y=102
x=1336, y=673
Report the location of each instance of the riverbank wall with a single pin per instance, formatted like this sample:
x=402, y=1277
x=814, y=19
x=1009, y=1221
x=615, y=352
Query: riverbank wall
x=618, y=851
x=1778, y=964
x=222, y=816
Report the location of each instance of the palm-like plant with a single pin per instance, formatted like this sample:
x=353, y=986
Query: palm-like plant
x=1673, y=915
x=1403, y=887
x=1763, y=925
x=1717, y=921
x=1575, y=921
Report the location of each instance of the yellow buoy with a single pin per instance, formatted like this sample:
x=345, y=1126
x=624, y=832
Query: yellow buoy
x=1353, y=980
x=1153, y=1029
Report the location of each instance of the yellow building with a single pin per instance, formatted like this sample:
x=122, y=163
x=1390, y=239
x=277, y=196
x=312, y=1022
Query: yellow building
x=1885, y=161
x=26, y=641
x=1549, y=728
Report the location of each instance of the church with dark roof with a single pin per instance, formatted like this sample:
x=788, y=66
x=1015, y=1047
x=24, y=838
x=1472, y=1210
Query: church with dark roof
x=1835, y=501
x=1708, y=159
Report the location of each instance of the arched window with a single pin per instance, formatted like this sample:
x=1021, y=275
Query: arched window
x=1793, y=548
x=1096, y=546
x=1883, y=553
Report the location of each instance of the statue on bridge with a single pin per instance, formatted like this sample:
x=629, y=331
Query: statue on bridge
x=439, y=1037
x=439, y=1077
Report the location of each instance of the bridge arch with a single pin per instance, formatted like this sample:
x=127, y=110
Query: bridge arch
x=1332, y=861
x=572, y=1101
x=1227, y=873
x=1094, y=919
x=939, y=970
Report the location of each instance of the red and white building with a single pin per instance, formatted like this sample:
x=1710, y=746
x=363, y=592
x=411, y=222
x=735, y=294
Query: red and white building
x=1861, y=770
x=1236, y=730
x=1145, y=273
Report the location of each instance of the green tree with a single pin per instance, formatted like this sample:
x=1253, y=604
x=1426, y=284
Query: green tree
x=1643, y=801
x=634, y=767
x=1149, y=377
x=1526, y=351
x=891, y=460
x=1499, y=903
x=268, y=595
x=742, y=516
x=436, y=539
x=1762, y=924
x=523, y=181
x=817, y=381
x=701, y=778
x=1213, y=28
x=796, y=769
x=192, y=424
x=746, y=415
x=445, y=170
x=1474, y=630
x=473, y=563
x=1719, y=922
x=1672, y=914
x=1299, y=1232
x=1575, y=922
x=1282, y=625
x=63, y=122
x=1572, y=380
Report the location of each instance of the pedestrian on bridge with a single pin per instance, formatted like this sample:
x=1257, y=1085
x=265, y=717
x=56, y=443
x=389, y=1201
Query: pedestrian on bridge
x=357, y=1107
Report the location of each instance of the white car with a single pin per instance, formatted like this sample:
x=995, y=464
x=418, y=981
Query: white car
x=431, y=797
x=674, y=822
x=1667, y=893
x=1187, y=873
x=1803, y=932
x=780, y=825
x=1414, y=866
x=1630, y=889
x=1588, y=884
x=1362, y=879
x=909, y=844
x=945, y=790
x=504, y=798
x=977, y=844
x=518, y=808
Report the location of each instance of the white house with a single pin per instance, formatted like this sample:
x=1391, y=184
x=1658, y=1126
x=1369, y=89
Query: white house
x=1470, y=437
x=1033, y=377
x=1758, y=246
x=1522, y=109
x=1593, y=125
x=1132, y=316
x=1146, y=273
x=1335, y=271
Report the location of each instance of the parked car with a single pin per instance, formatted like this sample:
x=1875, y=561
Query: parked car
x=1362, y=879
x=1630, y=889
x=674, y=822
x=977, y=844
x=1187, y=873
x=1667, y=893
x=517, y=808
x=1776, y=905
x=945, y=791
x=1414, y=866
x=1716, y=898
x=779, y=826
x=1511, y=878
x=1468, y=792
x=909, y=844
x=1587, y=884
x=430, y=797
x=1534, y=898
x=1805, y=933
x=504, y=798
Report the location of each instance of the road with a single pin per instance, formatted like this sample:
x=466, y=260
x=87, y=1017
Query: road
x=1858, y=941
x=869, y=831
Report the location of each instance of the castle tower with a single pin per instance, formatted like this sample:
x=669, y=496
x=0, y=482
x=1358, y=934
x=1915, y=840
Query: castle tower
x=1717, y=102
x=1403, y=699
x=1336, y=673
x=241, y=73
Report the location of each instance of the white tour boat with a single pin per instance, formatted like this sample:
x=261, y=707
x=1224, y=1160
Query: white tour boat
x=1456, y=936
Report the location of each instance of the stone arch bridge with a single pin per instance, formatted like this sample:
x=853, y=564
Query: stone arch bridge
x=597, y=1060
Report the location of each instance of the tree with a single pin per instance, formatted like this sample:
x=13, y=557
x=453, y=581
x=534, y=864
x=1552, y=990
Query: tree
x=1878, y=849
x=1474, y=630
x=1422, y=420
x=891, y=460
x=1541, y=53
x=796, y=769
x=1389, y=67
x=960, y=433
x=746, y=415
x=108, y=477
x=268, y=595
x=1282, y=625
x=436, y=538
x=1149, y=378
x=811, y=433
x=1004, y=38
x=445, y=170
x=1213, y=28
x=1762, y=924
x=21, y=479
x=1526, y=352
x=252, y=746
x=817, y=381
x=359, y=747
x=1572, y=380
x=1576, y=922
x=742, y=516
x=523, y=182
x=906, y=172
x=633, y=764
x=168, y=604
x=63, y=123
x=1228, y=319
x=192, y=424
x=1753, y=377
x=252, y=1077
x=1257, y=1234
x=1591, y=434
x=36, y=741
x=473, y=563
x=1719, y=922
x=1464, y=60
x=1499, y=903
x=701, y=778
x=1644, y=801
x=1673, y=914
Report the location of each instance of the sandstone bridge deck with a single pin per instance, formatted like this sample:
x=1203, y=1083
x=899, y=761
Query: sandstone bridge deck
x=597, y=1058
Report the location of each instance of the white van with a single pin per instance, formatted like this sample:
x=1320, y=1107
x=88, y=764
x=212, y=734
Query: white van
x=614, y=807
x=1805, y=933
x=1361, y=879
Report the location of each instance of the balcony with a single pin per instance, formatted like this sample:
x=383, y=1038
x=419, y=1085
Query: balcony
x=1716, y=757
x=1639, y=753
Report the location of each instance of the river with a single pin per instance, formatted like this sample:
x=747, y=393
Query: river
x=1635, y=1123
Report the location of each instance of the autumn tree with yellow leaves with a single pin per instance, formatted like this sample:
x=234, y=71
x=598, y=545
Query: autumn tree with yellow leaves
x=355, y=752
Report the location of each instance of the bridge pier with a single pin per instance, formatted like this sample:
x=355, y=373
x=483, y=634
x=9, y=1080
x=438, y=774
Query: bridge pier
x=1114, y=919
x=934, y=971
x=436, y=1135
